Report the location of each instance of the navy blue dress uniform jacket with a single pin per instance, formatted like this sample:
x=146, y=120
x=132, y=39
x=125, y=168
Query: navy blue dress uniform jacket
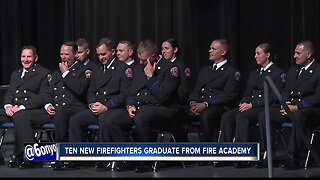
x=109, y=86
x=217, y=87
x=112, y=87
x=305, y=90
x=30, y=90
x=70, y=90
x=254, y=92
x=185, y=81
x=159, y=90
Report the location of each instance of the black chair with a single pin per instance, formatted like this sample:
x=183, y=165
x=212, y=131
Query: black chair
x=161, y=138
x=5, y=127
x=288, y=126
x=196, y=124
x=94, y=136
x=280, y=135
x=219, y=137
x=48, y=130
x=284, y=127
x=93, y=133
x=313, y=132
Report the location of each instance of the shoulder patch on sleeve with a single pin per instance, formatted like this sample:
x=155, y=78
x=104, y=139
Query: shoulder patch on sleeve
x=283, y=77
x=49, y=77
x=187, y=72
x=88, y=73
x=174, y=71
x=237, y=76
x=129, y=73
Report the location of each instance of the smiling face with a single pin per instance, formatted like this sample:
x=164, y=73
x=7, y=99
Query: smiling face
x=104, y=54
x=28, y=58
x=168, y=51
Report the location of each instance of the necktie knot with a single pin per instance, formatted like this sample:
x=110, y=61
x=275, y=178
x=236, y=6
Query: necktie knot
x=23, y=73
x=214, y=67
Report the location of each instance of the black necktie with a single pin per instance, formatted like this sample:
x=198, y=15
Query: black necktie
x=23, y=73
x=104, y=68
x=301, y=72
x=214, y=67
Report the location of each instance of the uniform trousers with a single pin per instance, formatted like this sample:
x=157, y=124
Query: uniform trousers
x=25, y=127
x=147, y=119
x=4, y=117
x=182, y=123
x=235, y=124
x=60, y=119
x=79, y=123
x=210, y=121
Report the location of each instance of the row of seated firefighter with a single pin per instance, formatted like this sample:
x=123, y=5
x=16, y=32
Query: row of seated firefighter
x=92, y=135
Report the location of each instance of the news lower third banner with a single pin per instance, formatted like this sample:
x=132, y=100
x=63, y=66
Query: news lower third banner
x=142, y=151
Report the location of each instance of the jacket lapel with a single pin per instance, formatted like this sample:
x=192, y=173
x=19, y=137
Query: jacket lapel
x=214, y=74
x=107, y=76
x=305, y=76
x=19, y=80
x=29, y=75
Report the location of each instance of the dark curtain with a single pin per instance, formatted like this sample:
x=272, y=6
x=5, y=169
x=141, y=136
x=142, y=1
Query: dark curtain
x=194, y=23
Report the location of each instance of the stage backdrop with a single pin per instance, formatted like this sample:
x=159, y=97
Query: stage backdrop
x=194, y=23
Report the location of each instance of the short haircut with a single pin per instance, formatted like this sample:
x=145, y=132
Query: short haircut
x=32, y=48
x=128, y=43
x=307, y=46
x=107, y=42
x=224, y=44
x=82, y=42
x=73, y=45
x=147, y=46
